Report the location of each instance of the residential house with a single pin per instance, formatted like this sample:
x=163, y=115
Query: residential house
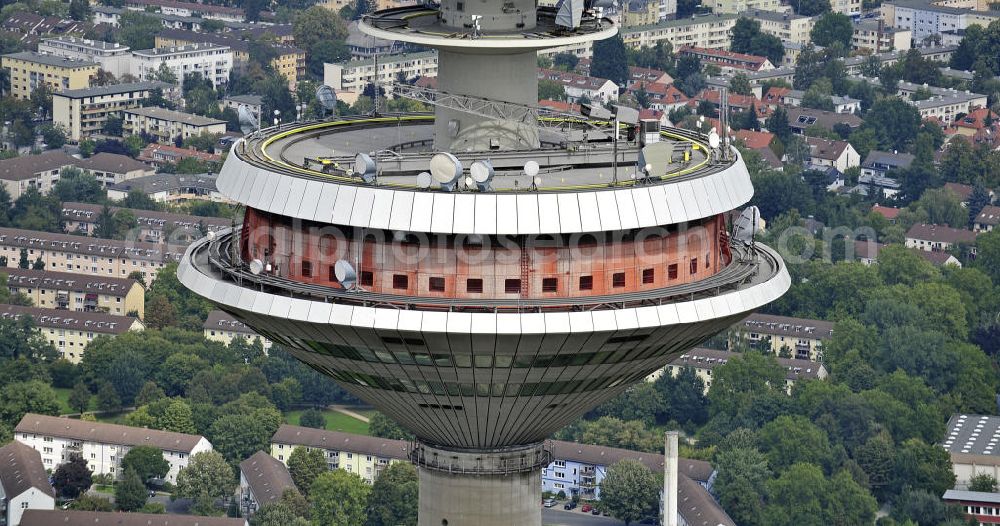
x=988, y=219
x=103, y=445
x=41, y=172
x=755, y=140
x=170, y=188
x=71, y=332
x=800, y=119
x=166, y=126
x=939, y=238
x=963, y=191
x=101, y=518
x=840, y=104
x=704, y=361
x=84, y=112
x=947, y=108
x=647, y=76
x=113, y=168
x=75, y=292
x=976, y=121
x=867, y=252
x=662, y=97
x=221, y=327
x=742, y=6
x=881, y=164
x=254, y=103
x=838, y=154
x=803, y=337
x=27, y=71
x=727, y=61
x=978, y=507
x=152, y=226
x=970, y=441
x=161, y=155
x=579, y=86
x=24, y=484
x=263, y=479
x=888, y=212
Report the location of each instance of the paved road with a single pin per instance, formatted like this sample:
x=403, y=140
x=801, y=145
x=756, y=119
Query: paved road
x=560, y=517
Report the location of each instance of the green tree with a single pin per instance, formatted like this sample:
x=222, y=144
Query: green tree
x=339, y=497
x=92, y=503
x=988, y=254
x=743, y=472
x=811, y=7
x=177, y=417
x=382, y=426
x=316, y=25
x=630, y=491
x=393, y=500
x=895, y=123
x=149, y=393
x=315, y=419
x=876, y=457
x=922, y=466
x=165, y=74
x=20, y=398
x=137, y=29
x=53, y=136
x=108, y=398
x=610, y=60
x=832, y=28
x=79, y=10
x=277, y=514
x=79, y=397
x=207, y=477
x=551, y=90
x=803, y=495
x=147, y=462
x=130, y=492
x=789, y=439
x=305, y=465
x=72, y=478
x=983, y=482
x=244, y=428
x=777, y=124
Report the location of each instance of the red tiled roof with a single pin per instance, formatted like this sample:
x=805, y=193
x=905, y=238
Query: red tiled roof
x=825, y=148
x=974, y=119
x=940, y=233
x=887, y=212
x=723, y=54
x=559, y=105
x=755, y=140
x=963, y=191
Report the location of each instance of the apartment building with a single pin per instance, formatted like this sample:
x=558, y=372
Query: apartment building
x=75, y=292
x=802, y=337
x=254, y=103
x=742, y=6
x=289, y=61
x=170, y=188
x=728, y=61
x=164, y=154
x=221, y=327
x=354, y=75
x=27, y=70
x=189, y=9
x=82, y=255
x=103, y=445
x=947, y=107
x=876, y=36
x=213, y=61
x=71, y=332
x=880, y=164
x=167, y=125
x=24, y=484
x=41, y=172
x=789, y=27
x=153, y=226
x=263, y=479
x=640, y=13
x=113, y=168
x=363, y=455
x=704, y=361
x=939, y=238
x=928, y=17
x=841, y=104
x=705, y=31
x=84, y=112
x=98, y=518
x=579, y=87
x=111, y=56
x=851, y=8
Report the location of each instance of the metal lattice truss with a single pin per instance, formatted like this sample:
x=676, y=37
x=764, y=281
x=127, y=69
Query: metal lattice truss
x=493, y=109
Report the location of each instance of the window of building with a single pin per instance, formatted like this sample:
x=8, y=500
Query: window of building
x=367, y=278
x=307, y=269
x=618, y=279
x=474, y=285
x=586, y=282
x=512, y=286
x=694, y=265
x=672, y=271
x=648, y=276
x=436, y=284
x=550, y=284
x=333, y=273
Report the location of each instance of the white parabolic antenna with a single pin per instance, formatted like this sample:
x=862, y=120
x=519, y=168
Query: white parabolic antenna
x=248, y=121
x=424, y=180
x=364, y=167
x=531, y=168
x=713, y=139
x=210, y=236
x=446, y=169
x=747, y=225
x=327, y=97
x=256, y=267
x=481, y=171
x=345, y=273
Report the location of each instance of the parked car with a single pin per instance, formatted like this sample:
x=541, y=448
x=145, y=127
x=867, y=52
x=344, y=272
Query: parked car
x=586, y=508
x=548, y=503
x=595, y=511
x=569, y=505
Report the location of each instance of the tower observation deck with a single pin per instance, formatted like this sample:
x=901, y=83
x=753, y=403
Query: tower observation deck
x=550, y=262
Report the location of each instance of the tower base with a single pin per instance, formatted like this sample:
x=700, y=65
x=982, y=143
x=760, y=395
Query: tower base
x=480, y=488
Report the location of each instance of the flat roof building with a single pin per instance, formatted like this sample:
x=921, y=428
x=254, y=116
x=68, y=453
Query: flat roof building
x=75, y=292
x=288, y=61
x=27, y=71
x=971, y=441
x=876, y=36
x=168, y=188
x=169, y=125
x=354, y=75
x=980, y=507
x=24, y=484
x=789, y=27
x=111, y=56
x=704, y=31
x=84, y=112
x=103, y=445
x=213, y=61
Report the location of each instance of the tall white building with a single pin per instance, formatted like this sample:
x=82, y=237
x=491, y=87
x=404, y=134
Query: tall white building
x=103, y=445
x=356, y=74
x=213, y=61
x=112, y=57
x=24, y=485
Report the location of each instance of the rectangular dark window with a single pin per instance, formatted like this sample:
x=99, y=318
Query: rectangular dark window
x=550, y=284
x=367, y=278
x=400, y=281
x=648, y=276
x=618, y=279
x=672, y=271
x=586, y=282
x=333, y=273
x=694, y=265
x=707, y=261
x=474, y=285
x=512, y=286
x=307, y=269
x=437, y=284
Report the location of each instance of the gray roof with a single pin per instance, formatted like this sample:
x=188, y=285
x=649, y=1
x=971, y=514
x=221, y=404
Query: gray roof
x=95, y=44
x=88, y=213
x=98, y=518
x=681, y=22
x=940, y=233
x=112, y=89
x=339, y=441
x=96, y=322
x=220, y=320
x=51, y=60
x=47, y=279
x=230, y=40
x=26, y=166
x=973, y=435
x=971, y=496
x=155, y=52
x=106, y=433
x=989, y=215
x=697, y=505
x=253, y=100
x=787, y=326
x=933, y=6
x=698, y=470
x=799, y=117
x=33, y=239
x=772, y=16
x=113, y=163
x=700, y=358
x=899, y=160
x=395, y=58
x=167, y=182
x=164, y=114
x=21, y=469
x=266, y=476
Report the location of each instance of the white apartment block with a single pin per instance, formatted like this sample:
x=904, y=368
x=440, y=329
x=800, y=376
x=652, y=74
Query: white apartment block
x=878, y=37
x=742, y=6
x=103, y=445
x=707, y=31
x=213, y=61
x=789, y=27
x=363, y=455
x=167, y=125
x=356, y=74
x=24, y=485
x=851, y=8
x=84, y=112
x=112, y=57
x=926, y=17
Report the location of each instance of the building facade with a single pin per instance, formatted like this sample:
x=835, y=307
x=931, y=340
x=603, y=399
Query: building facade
x=288, y=61
x=103, y=445
x=75, y=292
x=84, y=112
x=170, y=188
x=356, y=74
x=939, y=238
x=359, y=454
x=92, y=518
x=704, y=361
x=24, y=484
x=169, y=125
x=39, y=172
x=27, y=71
x=71, y=332
x=213, y=61
x=221, y=327
x=152, y=226
x=788, y=26
x=705, y=31
x=876, y=36
x=263, y=479
x=802, y=337
x=970, y=441
x=111, y=56
x=979, y=507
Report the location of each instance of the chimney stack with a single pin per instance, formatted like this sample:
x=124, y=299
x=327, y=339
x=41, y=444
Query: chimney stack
x=670, y=466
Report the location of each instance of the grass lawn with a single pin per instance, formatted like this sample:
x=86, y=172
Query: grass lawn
x=334, y=422
x=62, y=395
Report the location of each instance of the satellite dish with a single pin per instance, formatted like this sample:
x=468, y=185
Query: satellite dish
x=569, y=13
x=647, y=168
x=482, y=173
x=210, y=235
x=345, y=274
x=424, y=180
x=747, y=225
x=713, y=139
x=327, y=98
x=469, y=182
x=248, y=120
x=364, y=167
x=446, y=169
x=531, y=168
x=256, y=267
